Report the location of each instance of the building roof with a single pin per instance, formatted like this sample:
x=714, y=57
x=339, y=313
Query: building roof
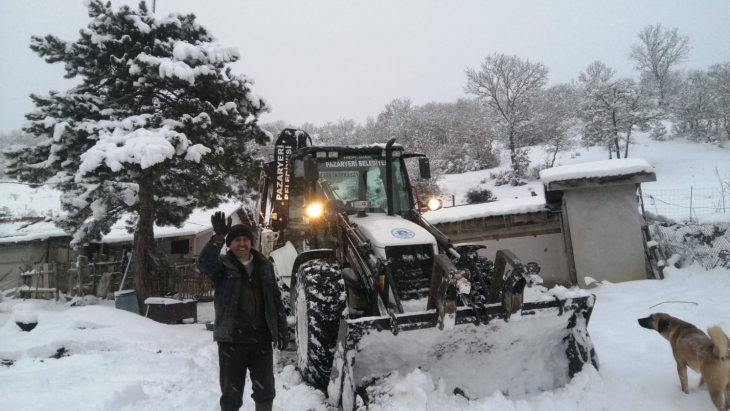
x=28, y=229
x=595, y=173
x=23, y=212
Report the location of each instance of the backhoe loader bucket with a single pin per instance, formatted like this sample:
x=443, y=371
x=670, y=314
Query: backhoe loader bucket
x=540, y=349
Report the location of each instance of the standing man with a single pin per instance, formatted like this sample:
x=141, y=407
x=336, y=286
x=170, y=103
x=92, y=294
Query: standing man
x=249, y=314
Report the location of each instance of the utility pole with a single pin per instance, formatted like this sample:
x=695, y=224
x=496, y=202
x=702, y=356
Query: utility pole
x=154, y=3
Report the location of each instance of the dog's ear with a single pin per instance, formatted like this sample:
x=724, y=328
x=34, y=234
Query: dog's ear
x=663, y=325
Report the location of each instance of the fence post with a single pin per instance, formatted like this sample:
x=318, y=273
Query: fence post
x=82, y=265
x=691, y=189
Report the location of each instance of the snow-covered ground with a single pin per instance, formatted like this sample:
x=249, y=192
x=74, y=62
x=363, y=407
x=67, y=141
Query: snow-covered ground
x=677, y=163
x=113, y=360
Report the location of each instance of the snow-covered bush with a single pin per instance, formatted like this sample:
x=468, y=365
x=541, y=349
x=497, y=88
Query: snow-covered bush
x=535, y=171
x=658, y=131
x=705, y=244
x=507, y=177
x=479, y=195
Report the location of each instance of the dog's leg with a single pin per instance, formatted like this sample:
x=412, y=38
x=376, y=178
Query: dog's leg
x=717, y=395
x=682, y=371
x=702, y=383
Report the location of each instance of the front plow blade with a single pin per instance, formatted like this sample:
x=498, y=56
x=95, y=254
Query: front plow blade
x=540, y=350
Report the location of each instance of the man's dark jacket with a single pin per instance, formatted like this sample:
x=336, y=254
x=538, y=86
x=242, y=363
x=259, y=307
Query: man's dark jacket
x=225, y=272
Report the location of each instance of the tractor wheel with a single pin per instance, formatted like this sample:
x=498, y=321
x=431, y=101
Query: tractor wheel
x=320, y=300
x=284, y=290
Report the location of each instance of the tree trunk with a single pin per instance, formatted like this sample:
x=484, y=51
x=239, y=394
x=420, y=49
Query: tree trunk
x=661, y=85
x=610, y=151
x=512, y=150
x=628, y=138
x=615, y=135
x=555, y=155
x=144, y=241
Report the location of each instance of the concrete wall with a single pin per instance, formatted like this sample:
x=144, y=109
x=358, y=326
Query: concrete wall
x=548, y=250
x=605, y=228
x=201, y=241
x=13, y=256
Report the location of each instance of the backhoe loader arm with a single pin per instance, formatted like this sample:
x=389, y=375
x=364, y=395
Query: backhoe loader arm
x=509, y=286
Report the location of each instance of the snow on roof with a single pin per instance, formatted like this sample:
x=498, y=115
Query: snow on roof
x=604, y=168
x=496, y=208
x=21, y=201
x=198, y=222
x=21, y=231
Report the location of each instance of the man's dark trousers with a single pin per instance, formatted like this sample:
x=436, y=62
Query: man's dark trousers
x=234, y=359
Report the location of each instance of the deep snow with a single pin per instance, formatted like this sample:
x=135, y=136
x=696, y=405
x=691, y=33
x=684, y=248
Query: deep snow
x=113, y=360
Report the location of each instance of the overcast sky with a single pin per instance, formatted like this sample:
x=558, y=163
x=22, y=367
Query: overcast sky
x=317, y=61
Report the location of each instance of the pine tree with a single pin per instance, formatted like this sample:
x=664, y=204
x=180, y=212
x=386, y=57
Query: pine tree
x=158, y=127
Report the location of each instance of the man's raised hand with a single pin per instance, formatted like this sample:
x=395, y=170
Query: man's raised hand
x=219, y=223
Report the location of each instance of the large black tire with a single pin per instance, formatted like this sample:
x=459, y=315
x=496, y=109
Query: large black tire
x=319, y=303
x=283, y=289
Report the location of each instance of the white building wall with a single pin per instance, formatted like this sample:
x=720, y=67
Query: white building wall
x=548, y=250
x=605, y=227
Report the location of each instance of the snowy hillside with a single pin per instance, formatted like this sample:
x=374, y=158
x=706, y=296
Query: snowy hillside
x=99, y=358
x=677, y=163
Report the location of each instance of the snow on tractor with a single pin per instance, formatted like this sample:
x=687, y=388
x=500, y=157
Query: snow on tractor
x=375, y=288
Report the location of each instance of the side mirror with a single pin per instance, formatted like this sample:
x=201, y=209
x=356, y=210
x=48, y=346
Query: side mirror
x=424, y=166
x=311, y=172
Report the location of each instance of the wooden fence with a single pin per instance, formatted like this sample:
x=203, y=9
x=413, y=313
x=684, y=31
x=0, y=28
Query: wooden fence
x=102, y=278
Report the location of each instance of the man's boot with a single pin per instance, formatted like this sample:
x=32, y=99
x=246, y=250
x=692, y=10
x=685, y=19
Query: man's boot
x=264, y=406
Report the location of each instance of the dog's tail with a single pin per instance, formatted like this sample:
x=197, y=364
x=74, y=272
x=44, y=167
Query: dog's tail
x=721, y=343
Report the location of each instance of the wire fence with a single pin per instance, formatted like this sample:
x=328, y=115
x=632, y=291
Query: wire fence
x=691, y=223
x=687, y=204
x=705, y=244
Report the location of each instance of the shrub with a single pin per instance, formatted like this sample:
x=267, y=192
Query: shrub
x=658, y=132
x=479, y=195
x=535, y=171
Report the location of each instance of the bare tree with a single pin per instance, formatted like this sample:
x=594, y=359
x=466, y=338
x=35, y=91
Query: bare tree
x=558, y=123
x=696, y=107
x=610, y=108
x=658, y=51
x=510, y=88
x=720, y=75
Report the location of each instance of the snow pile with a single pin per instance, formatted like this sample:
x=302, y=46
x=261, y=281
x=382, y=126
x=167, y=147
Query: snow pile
x=28, y=231
x=100, y=358
x=497, y=208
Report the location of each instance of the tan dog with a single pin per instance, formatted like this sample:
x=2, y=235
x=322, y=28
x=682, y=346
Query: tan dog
x=692, y=348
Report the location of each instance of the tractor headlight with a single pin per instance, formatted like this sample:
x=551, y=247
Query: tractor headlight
x=314, y=210
x=434, y=204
